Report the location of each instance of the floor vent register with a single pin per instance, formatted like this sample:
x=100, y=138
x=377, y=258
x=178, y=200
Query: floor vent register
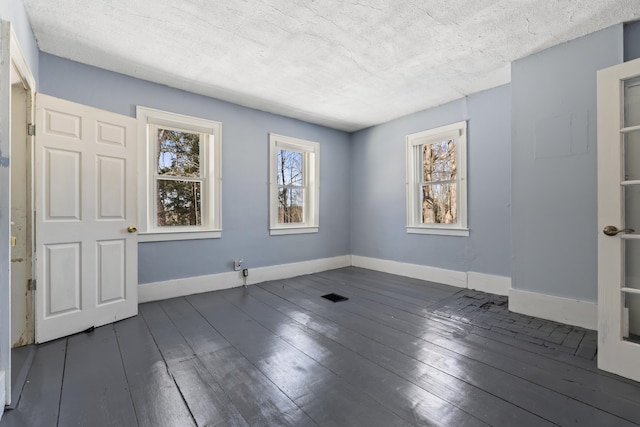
x=335, y=297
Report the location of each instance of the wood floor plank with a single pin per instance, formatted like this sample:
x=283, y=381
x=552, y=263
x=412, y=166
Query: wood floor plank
x=400, y=351
x=156, y=397
x=21, y=360
x=209, y=403
x=40, y=399
x=198, y=333
x=94, y=388
x=206, y=400
x=559, y=408
x=426, y=291
x=465, y=396
x=166, y=336
x=358, y=272
x=321, y=393
x=362, y=286
x=256, y=399
x=416, y=405
x=394, y=308
x=421, y=301
x=609, y=393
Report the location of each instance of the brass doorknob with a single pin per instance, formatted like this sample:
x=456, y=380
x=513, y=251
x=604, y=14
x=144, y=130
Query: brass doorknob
x=612, y=230
x=132, y=229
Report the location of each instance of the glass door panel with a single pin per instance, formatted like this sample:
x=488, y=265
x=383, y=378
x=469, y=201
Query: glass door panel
x=631, y=317
x=631, y=155
x=632, y=102
x=631, y=264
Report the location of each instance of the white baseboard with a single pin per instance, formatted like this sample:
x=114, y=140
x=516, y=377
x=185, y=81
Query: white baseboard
x=214, y=282
x=563, y=310
x=499, y=285
x=423, y=272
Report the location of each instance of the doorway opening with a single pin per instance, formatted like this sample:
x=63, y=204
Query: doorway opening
x=22, y=301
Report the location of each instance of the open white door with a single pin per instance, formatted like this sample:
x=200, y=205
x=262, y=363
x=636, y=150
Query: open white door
x=86, y=245
x=619, y=219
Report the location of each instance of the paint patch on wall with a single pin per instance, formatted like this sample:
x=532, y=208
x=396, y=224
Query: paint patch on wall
x=562, y=136
x=580, y=132
x=4, y=161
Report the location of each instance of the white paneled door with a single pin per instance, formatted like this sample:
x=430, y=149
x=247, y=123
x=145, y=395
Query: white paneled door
x=86, y=244
x=619, y=219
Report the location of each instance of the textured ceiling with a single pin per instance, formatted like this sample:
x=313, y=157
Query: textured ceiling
x=343, y=64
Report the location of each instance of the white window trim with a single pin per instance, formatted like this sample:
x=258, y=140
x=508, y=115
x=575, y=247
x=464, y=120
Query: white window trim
x=455, y=130
x=312, y=183
x=212, y=224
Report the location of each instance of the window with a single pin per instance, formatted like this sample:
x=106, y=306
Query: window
x=294, y=166
x=181, y=184
x=436, y=181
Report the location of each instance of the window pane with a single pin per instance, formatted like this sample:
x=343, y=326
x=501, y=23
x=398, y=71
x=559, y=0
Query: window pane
x=631, y=153
x=632, y=208
x=439, y=161
x=179, y=203
x=290, y=205
x=439, y=203
x=632, y=102
x=289, y=168
x=178, y=153
x=632, y=304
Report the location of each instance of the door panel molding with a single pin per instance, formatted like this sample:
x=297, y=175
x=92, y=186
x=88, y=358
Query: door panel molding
x=85, y=200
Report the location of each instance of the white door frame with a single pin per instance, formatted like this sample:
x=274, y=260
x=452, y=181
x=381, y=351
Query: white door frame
x=24, y=73
x=11, y=55
x=614, y=353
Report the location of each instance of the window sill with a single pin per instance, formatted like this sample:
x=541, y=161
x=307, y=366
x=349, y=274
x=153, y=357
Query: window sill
x=442, y=231
x=292, y=230
x=161, y=236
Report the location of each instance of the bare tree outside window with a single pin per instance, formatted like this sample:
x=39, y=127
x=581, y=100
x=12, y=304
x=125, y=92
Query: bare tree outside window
x=179, y=178
x=437, y=180
x=439, y=183
x=294, y=185
x=290, y=166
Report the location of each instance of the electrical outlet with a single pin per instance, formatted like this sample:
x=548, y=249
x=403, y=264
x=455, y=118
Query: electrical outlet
x=237, y=265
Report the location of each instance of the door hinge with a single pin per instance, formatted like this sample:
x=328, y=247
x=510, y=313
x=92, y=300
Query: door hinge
x=32, y=284
x=31, y=129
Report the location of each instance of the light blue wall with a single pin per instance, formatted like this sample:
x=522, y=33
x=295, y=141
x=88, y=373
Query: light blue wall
x=378, y=195
x=632, y=41
x=554, y=213
x=490, y=181
x=245, y=144
x=531, y=142
x=13, y=11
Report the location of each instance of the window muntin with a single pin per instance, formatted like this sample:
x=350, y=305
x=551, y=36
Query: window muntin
x=294, y=168
x=182, y=183
x=436, y=181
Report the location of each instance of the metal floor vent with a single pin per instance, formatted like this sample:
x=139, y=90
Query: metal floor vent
x=334, y=297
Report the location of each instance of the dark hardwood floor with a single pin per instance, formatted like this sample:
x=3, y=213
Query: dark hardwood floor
x=399, y=352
